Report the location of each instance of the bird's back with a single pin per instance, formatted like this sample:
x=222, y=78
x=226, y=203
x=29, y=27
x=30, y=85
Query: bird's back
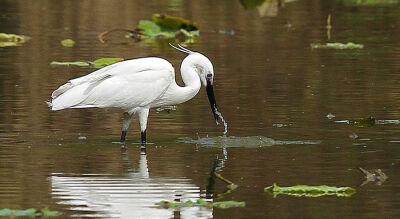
x=124, y=85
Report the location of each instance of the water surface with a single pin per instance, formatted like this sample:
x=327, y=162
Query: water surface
x=268, y=82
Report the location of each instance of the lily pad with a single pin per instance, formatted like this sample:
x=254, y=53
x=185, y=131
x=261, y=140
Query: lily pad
x=30, y=212
x=98, y=63
x=202, y=203
x=153, y=30
x=68, y=43
x=348, y=45
x=12, y=39
x=310, y=191
x=165, y=27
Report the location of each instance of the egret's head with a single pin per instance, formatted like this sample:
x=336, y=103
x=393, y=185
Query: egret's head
x=205, y=70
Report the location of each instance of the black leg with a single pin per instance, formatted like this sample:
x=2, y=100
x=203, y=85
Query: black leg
x=123, y=135
x=143, y=137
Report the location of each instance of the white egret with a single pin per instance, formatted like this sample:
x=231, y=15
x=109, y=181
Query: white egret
x=134, y=86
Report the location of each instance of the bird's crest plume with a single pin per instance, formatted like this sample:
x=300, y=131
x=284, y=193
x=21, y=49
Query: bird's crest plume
x=181, y=49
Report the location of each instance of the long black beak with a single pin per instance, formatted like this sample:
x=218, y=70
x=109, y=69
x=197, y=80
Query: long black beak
x=211, y=98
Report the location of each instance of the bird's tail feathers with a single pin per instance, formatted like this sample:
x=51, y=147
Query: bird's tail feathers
x=49, y=104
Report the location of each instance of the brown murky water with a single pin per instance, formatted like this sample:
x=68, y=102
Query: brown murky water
x=269, y=84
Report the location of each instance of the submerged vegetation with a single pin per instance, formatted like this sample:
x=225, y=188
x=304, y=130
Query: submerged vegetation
x=310, y=191
x=31, y=212
x=98, y=63
x=202, y=203
x=12, y=39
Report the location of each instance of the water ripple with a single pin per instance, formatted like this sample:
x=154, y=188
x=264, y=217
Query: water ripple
x=248, y=141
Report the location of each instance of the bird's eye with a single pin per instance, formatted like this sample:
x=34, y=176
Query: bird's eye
x=209, y=75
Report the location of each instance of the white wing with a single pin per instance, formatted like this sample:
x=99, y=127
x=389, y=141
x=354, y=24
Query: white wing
x=124, y=85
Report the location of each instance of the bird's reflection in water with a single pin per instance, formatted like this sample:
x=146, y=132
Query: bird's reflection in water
x=130, y=195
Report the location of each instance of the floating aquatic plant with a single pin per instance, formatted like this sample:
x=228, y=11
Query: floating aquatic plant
x=68, y=43
x=167, y=109
x=349, y=45
x=161, y=26
x=98, y=63
x=12, y=39
x=368, y=2
x=202, y=203
x=30, y=212
x=310, y=191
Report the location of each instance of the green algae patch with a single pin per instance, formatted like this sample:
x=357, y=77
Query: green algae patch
x=348, y=45
x=98, y=63
x=310, y=191
x=30, y=212
x=202, y=203
x=12, y=39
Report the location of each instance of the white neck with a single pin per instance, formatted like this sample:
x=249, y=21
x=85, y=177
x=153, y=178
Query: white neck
x=177, y=94
x=192, y=83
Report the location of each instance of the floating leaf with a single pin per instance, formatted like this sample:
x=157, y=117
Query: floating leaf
x=166, y=27
x=174, y=23
x=349, y=45
x=160, y=27
x=31, y=212
x=102, y=62
x=330, y=116
x=48, y=213
x=98, y=63
x=310, y=191
x=361, y=122
x=76, y=63
x=368, y=2
x=12, y=39
x=153, y=30
x=202, y=203
x=167, y=109
x=227, y=32
x=228, y=204
x=373, y=175
x=68, y=43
